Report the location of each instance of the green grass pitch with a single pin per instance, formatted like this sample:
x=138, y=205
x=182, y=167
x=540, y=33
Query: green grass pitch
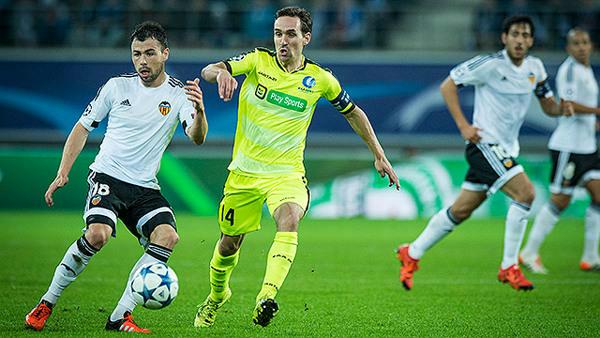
x=344, y=282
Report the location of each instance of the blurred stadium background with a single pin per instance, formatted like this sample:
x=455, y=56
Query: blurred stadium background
x=389, y=55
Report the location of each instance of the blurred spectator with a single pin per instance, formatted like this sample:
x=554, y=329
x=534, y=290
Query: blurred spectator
x=588, y=14
x=258, y=23
x=23, y=23
x=348, y=27
x=487, y=25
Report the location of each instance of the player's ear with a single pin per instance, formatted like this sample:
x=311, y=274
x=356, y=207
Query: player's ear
x=503, y=38
x=306, y=38
x=166, y=53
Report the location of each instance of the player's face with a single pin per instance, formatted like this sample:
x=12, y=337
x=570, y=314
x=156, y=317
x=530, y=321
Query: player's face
x=579, y=47
x=289, y=40
x=517, y=41
x=149, y=60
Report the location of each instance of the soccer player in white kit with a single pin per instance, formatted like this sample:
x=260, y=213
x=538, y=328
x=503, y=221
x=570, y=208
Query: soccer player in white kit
x=143, y=110
x=504, y=85
x=574, y=156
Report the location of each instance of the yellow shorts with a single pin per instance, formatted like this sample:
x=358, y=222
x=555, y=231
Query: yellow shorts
x=240, y=210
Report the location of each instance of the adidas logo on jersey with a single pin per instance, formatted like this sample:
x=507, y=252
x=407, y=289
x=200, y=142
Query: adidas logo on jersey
x=126, y=103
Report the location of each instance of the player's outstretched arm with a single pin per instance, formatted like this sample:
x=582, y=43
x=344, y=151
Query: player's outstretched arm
x=361, y=125
x=449, y=91
x=583, y=109
x=217, y=72
x=73, y=146
x=197, y=131
x=552, y=108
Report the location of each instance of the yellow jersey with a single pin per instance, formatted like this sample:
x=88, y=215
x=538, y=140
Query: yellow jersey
x=275, y=109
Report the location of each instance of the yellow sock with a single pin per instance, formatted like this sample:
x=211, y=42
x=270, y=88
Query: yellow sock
x=279, y=262
x=220, y=272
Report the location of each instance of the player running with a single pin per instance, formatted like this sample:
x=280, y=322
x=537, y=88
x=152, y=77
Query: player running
x=144, y=109
x=574, y=156
x=504, y=83
x=276, y=103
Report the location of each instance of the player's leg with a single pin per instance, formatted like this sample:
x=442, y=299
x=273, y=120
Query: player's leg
x=520, y=189
x=561, y=186
x=240, y=212
x=438, y=227
x=287, y=200
x=151, y=219
x=590, y=260
x=100, y=218
x=74, y=261
x=543, y=224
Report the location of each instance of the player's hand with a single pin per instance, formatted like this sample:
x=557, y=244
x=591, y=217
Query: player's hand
x=194, y=94
x=227, y=85
x=471, y=133
x=384, y=167
x=59, y=182
x=566, y=108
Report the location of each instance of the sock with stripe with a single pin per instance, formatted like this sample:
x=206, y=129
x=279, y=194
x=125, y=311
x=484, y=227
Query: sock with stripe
x=280, y=259
x=154, y=254
x=542, y=225
x=591, y=234
x=516, y=223
x=221, y=268
x=439, y=226
x=76, y=258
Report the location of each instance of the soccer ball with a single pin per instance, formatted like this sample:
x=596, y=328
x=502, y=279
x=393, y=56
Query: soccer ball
x=154, y=285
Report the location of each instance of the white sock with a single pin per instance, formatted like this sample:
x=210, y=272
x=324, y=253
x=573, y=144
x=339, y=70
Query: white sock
x=76, y=258
x=591, y=234
x=439, y=226
x=516, y=223
x=154, y=254
x=542, y=226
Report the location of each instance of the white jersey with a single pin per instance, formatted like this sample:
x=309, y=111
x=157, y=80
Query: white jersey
x=141, y=123
x=503, y=93
x=576, y=134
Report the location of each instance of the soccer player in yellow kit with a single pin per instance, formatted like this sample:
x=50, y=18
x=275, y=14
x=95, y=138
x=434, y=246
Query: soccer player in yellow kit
x=276, y=103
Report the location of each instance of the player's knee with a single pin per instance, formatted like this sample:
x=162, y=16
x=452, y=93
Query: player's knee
x=460, y=213
x=229, y=246
x=560, y=204
x=164, y=235
x=98, y=234
x=526, y=194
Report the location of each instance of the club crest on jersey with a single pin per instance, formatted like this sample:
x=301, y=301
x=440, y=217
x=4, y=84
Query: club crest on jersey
x=531, y=78
x=309, y=82
x=164, y=108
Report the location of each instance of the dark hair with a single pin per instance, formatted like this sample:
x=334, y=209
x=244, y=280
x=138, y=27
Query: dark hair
x=150, y=29
x=300, y=13
x=517, y=19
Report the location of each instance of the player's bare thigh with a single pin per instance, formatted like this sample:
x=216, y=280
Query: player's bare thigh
x=466, y=202
x=520, y=189
x=287, y=216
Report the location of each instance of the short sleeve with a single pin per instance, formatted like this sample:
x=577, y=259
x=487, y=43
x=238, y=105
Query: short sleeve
x=187, y=113
x=99, y=107
x=336, y=95
x=475, y=71
x=242, y=64
x=566, y=83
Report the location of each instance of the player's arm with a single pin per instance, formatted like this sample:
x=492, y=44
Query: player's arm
x=73, y=146
x=361, y=125
x=549, y=105
x=199, y=128
x=218, y=72
x=583, y=109
x=449, y=92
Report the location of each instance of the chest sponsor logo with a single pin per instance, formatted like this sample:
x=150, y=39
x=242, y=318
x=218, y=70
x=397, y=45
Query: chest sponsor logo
x=260, y=91
x=164, y=108
x=286, y=101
